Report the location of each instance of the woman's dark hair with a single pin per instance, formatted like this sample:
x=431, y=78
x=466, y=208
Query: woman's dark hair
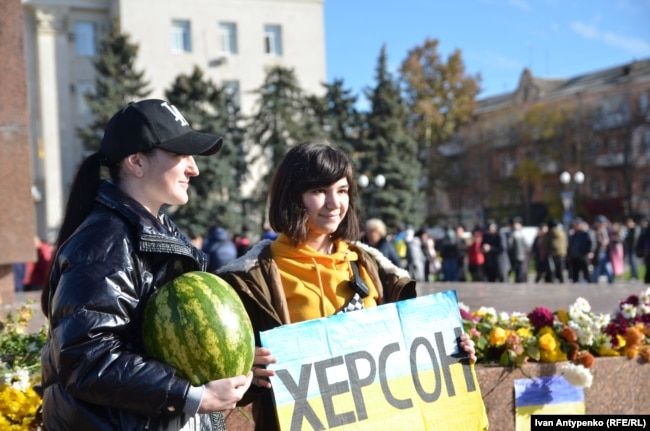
x=80, y=202
x=305, y=167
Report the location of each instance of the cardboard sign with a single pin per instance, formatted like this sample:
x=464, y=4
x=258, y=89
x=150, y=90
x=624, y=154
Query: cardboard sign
x=393, y=367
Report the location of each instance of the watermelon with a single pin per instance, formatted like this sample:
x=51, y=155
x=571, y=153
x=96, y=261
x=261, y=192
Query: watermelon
x=198, y=324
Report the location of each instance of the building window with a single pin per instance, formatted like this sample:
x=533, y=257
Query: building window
x=181, y=40
x=646, y=184
x=273, y=39
x=645, y=143
x=232, y=90
x=613, y=147
x=83, y=88
x=613, y=187
x=84, y=38
x=228, y=37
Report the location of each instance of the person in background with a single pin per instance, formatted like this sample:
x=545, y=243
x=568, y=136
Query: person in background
x=242, y=243
x=399, y=242
x=449, y=253
x=494, y=249
x=463, y=242
x=579, y=252
x=115, y=247
x=632, y=233
x=602, y=264
x=375, y=236
x=36, y=272
x=316, y=267
x=556, y=244
x=643, y=247
x=517, y=250
x=475, y=256
x=433, y=267
x=540, y=255
x=18, y=270
x=415, y=257
x=219, y=248
x=616, y=250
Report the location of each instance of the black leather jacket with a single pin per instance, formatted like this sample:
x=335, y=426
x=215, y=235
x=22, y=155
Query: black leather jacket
x=95, y=374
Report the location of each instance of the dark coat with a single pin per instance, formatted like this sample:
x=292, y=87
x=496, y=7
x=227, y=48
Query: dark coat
x=96, y=375
x=219, y=248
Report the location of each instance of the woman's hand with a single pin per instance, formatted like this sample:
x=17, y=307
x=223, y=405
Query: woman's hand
x=468, y=346
x=261, y=375
x=224, y=394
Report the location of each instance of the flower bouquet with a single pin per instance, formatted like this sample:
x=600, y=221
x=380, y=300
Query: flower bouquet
x=575, y=336
x=19, y=371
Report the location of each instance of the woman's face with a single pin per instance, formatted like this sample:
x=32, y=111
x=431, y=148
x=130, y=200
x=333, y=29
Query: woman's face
x=326, y=207
x=166, y=178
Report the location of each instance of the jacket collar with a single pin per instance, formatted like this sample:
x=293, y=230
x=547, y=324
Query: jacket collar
x=155, y=234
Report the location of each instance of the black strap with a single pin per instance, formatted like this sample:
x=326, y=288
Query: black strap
x=357, y=284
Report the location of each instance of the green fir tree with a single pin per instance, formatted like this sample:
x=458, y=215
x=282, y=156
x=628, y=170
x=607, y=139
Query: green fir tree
x=215, y=197
x=341, y=119
x=117, y=83
x=280, y=122
x=387, y=149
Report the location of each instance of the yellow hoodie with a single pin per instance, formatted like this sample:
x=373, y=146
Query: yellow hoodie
x=315, y=284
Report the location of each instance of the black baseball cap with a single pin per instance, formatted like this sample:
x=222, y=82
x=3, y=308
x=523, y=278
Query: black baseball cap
x=153, y=123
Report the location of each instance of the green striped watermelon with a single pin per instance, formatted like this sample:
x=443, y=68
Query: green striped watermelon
x=197, y=324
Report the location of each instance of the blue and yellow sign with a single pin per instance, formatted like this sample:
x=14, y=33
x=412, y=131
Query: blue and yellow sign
x=394, y=367
x=546, y=395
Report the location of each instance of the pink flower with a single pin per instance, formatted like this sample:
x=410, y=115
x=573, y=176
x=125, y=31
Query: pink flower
x=540, y=317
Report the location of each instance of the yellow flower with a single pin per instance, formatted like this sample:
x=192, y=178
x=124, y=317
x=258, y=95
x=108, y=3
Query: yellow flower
x=603, y=350
x=498, y=336
x=563, y=316
x=525, y=333
x=548, y=342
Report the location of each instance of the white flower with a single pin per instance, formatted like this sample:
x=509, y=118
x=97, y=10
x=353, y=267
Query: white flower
x=519, y=319
x=644, y=298
x=463, y=307
x=582, y=304
x=628, y=311
x=18, y=379
x=577, y=375
x=603, y=320
x=643, y=309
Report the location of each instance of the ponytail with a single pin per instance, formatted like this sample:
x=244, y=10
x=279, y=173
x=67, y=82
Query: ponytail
x=80, y=202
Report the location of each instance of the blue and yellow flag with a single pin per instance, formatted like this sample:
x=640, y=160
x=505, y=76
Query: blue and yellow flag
x=393, y=367
x=551, y=395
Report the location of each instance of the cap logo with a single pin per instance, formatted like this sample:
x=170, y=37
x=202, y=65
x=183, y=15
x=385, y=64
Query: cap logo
x=176, y=113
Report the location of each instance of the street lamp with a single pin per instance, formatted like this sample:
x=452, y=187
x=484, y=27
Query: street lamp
x=568, y=195
x=365, y=184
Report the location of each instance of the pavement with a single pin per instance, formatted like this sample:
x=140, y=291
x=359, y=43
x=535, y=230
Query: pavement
x=524, y=297
x=503, y=297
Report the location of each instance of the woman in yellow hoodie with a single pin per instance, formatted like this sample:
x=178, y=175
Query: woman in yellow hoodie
x=315, y=267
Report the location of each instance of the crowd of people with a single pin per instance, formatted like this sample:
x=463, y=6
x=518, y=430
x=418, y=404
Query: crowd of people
x=578, y=253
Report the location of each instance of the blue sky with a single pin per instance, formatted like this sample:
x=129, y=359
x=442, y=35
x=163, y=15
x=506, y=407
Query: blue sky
x=497, y=38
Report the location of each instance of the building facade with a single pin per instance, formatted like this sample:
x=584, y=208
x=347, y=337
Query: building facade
x=554, y=148
x=232, y=41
